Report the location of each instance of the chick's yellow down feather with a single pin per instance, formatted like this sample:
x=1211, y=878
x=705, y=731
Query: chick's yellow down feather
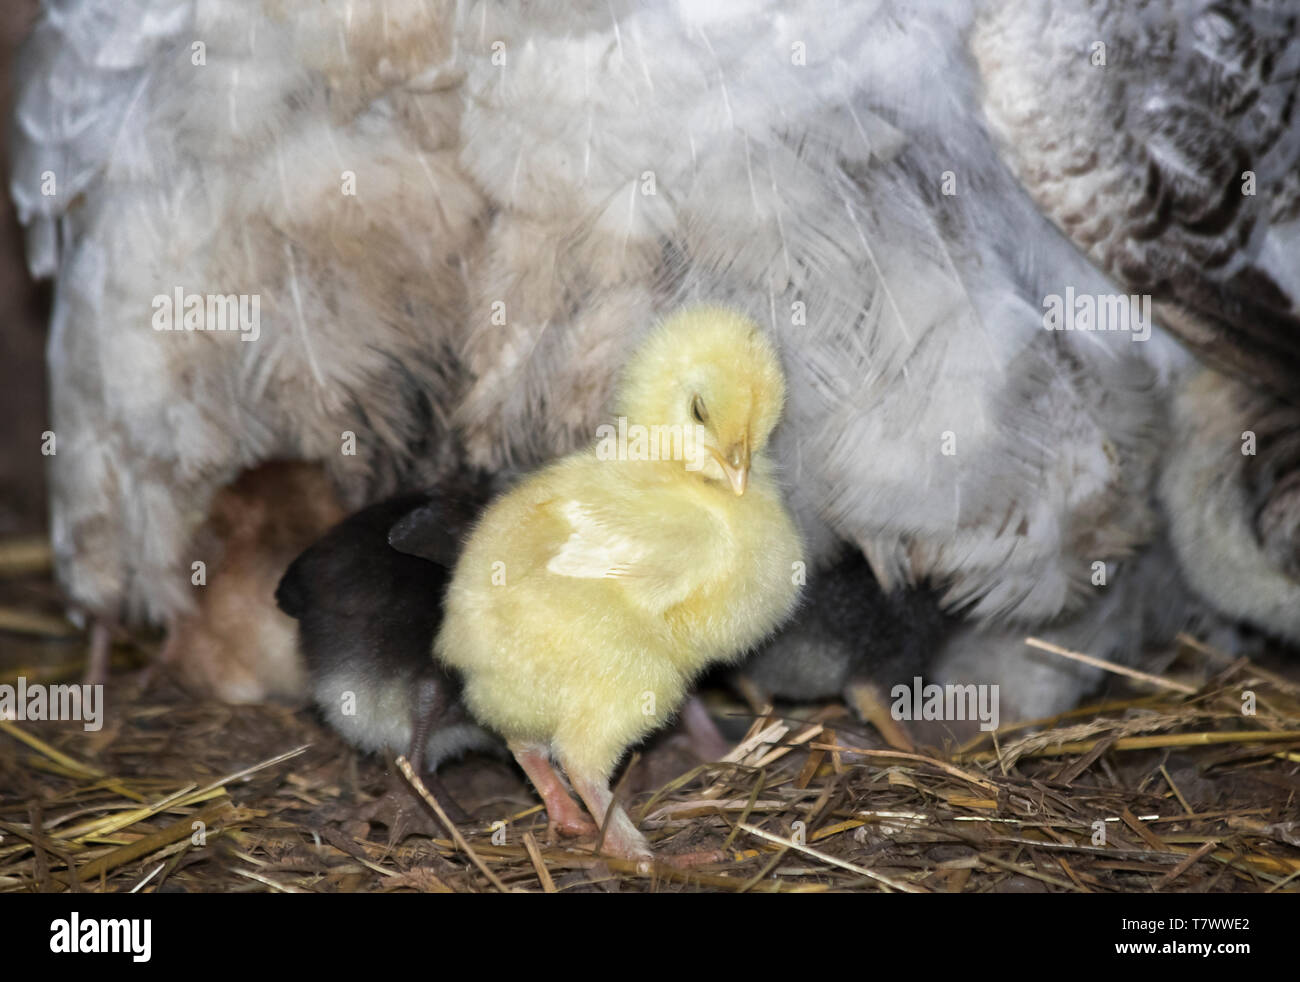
x=589, y=597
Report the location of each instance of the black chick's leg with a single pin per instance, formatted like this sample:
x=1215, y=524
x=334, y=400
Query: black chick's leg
x=430, y=705
x=432, y=702
x=400, y=808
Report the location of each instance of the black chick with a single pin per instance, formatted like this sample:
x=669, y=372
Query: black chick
x=367, y=615
x=852, y=640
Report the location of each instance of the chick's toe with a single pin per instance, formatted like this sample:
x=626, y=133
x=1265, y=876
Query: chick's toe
x=622, y=840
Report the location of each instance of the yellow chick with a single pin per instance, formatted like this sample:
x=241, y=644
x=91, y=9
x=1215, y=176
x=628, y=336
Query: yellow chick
x=588, y=598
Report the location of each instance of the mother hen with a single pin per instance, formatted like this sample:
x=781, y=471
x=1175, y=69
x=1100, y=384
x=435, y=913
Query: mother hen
x=459, y=218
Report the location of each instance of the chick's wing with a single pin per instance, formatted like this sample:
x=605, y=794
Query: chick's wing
x=659, y=552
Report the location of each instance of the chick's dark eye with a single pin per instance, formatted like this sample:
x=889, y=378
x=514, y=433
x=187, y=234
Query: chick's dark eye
x=698, y=411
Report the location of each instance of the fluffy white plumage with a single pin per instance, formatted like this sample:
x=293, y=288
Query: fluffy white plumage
x=536, y=182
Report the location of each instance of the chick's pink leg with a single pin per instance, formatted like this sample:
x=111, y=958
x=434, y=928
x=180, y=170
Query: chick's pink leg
x=101, y=645
x=623, y=840
x=706, y=739
x=566, y=817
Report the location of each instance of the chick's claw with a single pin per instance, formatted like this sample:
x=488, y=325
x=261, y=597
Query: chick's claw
x=401, y=813
x=449, y=805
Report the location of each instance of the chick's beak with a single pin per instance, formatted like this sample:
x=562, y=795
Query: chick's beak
x=735, y=464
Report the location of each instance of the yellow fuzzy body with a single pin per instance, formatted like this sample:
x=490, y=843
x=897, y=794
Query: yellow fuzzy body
x=588, y=598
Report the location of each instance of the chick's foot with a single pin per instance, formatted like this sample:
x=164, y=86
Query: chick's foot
x=623, y=840
x=401, y=811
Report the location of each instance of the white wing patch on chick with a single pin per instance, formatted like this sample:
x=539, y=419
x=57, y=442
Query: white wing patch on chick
x=594, y=550
x=643, y=550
